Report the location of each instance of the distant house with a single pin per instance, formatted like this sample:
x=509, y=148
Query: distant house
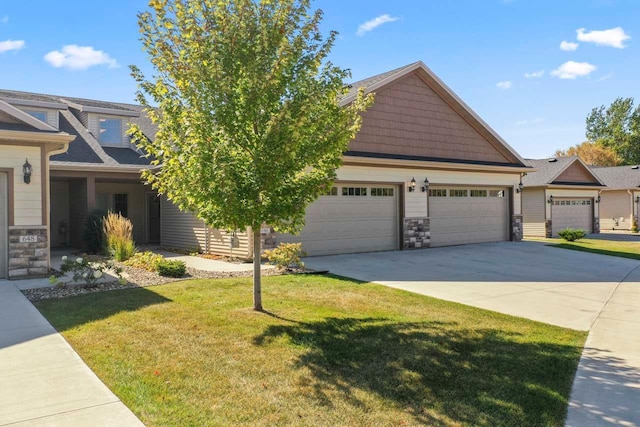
x=619, y=203
x=424, y=171
x=562, y=193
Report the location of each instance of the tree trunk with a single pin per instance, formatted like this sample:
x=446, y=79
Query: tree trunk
x=257, y=288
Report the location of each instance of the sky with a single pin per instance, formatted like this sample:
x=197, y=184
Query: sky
x=532, y=69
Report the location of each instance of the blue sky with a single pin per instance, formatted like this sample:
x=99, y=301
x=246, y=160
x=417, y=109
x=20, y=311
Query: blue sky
x=502, y=57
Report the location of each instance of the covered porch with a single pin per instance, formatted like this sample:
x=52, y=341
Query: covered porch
x=76, y=194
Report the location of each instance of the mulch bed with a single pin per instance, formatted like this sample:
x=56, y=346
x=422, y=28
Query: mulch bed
x=137, y=278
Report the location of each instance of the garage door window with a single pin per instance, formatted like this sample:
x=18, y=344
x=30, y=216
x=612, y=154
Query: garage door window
x=478, y=193
x=354, y=191
x=382, y=192
x=458, y=193
x=333, y=191
x=439, y=192
x=496, y=193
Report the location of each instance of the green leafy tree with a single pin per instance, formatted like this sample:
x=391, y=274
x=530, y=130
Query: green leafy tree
x=250, y=129
x=617, y=127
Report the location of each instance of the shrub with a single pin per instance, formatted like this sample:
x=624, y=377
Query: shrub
x=570, y=234
x=118, y=232
x=87, y=272
x=286, y=255
x=93, y=234
x=634, y=226
x=171, y=268
x=147, y=260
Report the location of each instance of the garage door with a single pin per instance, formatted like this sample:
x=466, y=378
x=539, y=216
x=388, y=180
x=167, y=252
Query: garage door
x=571, y=213
x=352, y=218
x=3, y=226
x=468, y=215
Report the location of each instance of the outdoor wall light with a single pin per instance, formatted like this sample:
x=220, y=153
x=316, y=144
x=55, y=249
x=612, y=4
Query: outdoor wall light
x=425, y=186
x=520, y=187
x=412, y=185
x=598, y=199
x=550, y=201
x=27, y=170
x=638, y=199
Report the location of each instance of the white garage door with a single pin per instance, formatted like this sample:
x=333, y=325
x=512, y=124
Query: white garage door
x=571, y=213
x=468, y=215
x=353, y=218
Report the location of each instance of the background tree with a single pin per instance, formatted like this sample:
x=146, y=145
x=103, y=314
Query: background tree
x=249, y=126
x=617, y=127
x=592, y=154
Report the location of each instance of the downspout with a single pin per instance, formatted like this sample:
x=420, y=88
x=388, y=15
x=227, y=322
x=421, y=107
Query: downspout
x=633, y=207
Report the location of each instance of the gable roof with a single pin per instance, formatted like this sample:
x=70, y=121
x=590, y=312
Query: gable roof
x=619, y=177
x=376, y=82
x=550, y=169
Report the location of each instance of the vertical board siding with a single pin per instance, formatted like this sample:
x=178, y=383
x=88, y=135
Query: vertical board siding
x=615, y=207
x=182, y=230
x=533, y=212
x=27, y=197
x=77, y=211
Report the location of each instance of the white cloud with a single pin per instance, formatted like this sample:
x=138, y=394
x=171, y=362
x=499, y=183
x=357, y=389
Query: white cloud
x=534, y=75
x=375, y=23
x=613, y=37
x=8, y=45
x=568, y=46
x=571, y=70
x=76, y=57
x=505, y=85
x=605, y=77
x=4, y=19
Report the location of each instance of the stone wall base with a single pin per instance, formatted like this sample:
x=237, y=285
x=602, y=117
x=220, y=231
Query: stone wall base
x=416, y=233
x=596, y=224
x=548, y=230
x=516, y=227
x=28, y=252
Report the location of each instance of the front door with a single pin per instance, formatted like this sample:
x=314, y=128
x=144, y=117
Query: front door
x=3, y=225
x=153, y=218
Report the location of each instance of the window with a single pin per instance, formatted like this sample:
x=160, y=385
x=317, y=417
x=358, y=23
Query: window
x=354, y=191
x=382, y=192
x=120, y=204
x=438, y=192
x=110, y=131
x=333, y=191
x=496, y=193
x=40, y=115
x=457, y=193
x=478, y=193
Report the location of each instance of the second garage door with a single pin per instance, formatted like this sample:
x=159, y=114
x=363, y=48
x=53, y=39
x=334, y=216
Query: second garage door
x=352, y=218
x=468, y=215
x=571, y=213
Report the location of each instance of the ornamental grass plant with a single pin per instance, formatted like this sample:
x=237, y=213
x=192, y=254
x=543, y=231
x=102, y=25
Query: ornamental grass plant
x=118, y=232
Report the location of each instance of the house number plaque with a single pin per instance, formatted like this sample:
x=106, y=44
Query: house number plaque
x=29, y=239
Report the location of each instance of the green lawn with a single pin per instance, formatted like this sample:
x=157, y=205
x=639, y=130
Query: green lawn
x=330, y=352
x=603, y=247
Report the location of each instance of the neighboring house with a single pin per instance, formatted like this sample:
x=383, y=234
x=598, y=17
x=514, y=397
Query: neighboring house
x=562, y=193
x=619, y=202
x=417, y=130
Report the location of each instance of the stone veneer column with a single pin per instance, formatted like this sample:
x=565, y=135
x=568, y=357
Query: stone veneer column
x=548, y=230
x=516, y=225
x=267, y=238
x=416, y=233
x=30, y=259
x=596, y=224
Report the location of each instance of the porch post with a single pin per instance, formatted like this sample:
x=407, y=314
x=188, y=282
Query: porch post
x=91, y=193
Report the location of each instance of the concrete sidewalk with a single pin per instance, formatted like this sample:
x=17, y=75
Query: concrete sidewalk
x=43, y=381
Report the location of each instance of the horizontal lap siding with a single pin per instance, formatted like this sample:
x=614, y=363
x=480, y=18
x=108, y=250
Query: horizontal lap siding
x=182, y=230
x=27, y=197
x=533, y=212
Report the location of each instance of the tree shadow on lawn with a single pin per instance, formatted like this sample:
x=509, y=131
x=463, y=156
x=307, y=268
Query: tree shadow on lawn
x=66, y=313
x=478, y=377
x=620, y=254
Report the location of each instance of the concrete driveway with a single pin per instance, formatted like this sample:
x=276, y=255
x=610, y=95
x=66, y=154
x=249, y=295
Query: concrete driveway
x=577, y=290
x=526, y=279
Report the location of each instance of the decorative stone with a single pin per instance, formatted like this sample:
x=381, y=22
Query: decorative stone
x=517, y=229
x=416, y=233
x=28, y=259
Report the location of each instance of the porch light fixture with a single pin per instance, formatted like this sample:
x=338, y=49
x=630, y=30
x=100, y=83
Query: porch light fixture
x=598, y=199
x=412, y=185
x=520, y=185
x=637, y=199
x=425, y=186
x=550, y=201
x=27, y=170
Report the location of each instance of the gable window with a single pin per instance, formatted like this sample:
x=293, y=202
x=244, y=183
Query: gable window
x=110, y=131
x=120, y=204
x=40, y=115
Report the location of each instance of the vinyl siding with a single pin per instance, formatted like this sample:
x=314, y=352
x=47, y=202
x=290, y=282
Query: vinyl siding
x=27, y=197
x=615, y=207
x=136, y=210
x=533, y=212
x=59, y=212
x=77, y=211
x=182, y=230
x=52, y=114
